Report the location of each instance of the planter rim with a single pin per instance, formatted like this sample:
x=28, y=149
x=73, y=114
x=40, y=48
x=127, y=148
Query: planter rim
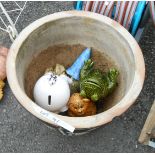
x=78, y=122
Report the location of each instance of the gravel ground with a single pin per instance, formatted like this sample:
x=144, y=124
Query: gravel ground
x=22, y=132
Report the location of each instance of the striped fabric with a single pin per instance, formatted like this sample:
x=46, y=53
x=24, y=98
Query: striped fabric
x=127, y=13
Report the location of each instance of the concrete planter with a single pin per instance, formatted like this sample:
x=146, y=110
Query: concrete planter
x=91, y=30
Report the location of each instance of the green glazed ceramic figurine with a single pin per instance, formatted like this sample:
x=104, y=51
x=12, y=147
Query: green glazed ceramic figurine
x=94, y=84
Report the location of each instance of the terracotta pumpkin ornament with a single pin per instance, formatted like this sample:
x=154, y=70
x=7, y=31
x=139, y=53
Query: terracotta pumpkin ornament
x=2, y=84
x=79, y=106
x=3, y=56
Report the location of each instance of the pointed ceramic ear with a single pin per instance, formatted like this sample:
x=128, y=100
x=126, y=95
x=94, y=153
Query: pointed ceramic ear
x=74, y=70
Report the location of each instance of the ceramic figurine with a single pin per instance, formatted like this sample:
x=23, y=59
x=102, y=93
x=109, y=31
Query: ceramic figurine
x=58, y=70
x=3, y=57
x=2, y=84
x=74, y=70
x=79, y=106
x=52, y=92
x=94, y=84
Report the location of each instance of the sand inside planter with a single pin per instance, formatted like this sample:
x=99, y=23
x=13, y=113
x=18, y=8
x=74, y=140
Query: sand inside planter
x=66, y=55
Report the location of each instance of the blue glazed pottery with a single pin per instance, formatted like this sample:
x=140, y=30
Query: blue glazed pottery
x=74, y=70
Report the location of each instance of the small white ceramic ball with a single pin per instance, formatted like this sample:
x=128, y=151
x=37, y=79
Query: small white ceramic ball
x=52, y=92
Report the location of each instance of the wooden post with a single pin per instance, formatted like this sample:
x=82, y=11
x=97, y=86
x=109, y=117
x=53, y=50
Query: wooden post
x=148, y=130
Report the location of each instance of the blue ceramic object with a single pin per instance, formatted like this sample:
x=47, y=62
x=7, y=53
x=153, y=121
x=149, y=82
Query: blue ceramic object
x=74, y=70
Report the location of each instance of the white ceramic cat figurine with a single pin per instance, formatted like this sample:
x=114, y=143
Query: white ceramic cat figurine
x=52, y=92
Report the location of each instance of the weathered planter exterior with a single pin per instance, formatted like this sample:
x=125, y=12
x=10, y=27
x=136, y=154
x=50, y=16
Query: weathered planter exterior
x=91, y=30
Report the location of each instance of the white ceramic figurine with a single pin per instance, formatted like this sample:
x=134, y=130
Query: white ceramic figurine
x=52, y=92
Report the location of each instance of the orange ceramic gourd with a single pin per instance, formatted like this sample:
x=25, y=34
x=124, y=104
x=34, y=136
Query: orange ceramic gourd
x=3, y=55
x=79, y=106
